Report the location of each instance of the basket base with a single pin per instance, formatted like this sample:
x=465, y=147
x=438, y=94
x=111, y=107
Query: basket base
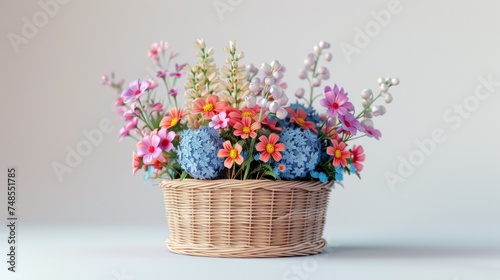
x=303, y=249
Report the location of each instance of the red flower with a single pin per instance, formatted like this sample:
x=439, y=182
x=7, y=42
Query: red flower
x=339, y=153
x=358, y=156
x=300, y=119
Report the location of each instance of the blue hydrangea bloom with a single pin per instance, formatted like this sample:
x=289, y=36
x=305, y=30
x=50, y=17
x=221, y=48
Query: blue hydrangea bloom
x=302, y=152
x=197, y=152
x=321, y=176
x=352, y=168
x=339, y=173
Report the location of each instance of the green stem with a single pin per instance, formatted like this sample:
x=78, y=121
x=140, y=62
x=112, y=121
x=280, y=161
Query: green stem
x=311, y=94
x=252, y=142
x=368, y=106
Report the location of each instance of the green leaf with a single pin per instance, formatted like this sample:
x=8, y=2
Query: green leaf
x=183, y=175
x=270, y=173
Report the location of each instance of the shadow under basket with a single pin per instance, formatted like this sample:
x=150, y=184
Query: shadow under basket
x=245, y=218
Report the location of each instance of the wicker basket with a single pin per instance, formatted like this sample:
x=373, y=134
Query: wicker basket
x=251, y=218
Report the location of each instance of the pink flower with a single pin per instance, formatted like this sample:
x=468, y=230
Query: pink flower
x=269, y=147
x=125, y=131
x=173, y=92
x=157, y=107
x=339, y=153
x=336, y=101
x=166, y=139
x=152, y=84
x=161, y=74
x=371, y=132
x=178, y=69
x=135, y=90
x=350, y=123
x=232, y=154
x=148, y=148
x=119, y=101
x=246, y=128
x=358, y=156
x=132, y=112
x=156, y=49
x=219, y=121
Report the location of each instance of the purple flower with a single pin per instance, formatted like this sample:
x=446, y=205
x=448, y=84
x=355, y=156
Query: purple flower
x=166, y=139
x=148, y=148
x=336, y=101
x=161, y=74
x=173, y=92
x=370, y=131
x=135, y=90
x=350, y=123
x=219, y=121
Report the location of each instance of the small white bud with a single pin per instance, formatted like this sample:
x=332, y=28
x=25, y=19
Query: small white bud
x=266, y=68
x=388, y=98
x=316, y=82
x=262, y=102
x=274, y=106
x=309, y=60
x=300, y=93
x=250, y=101
x=254, y=87
x=269, y=81
x=328, y=56
x=275, y=65
x=366, y=93
x=384, y=87
x=367, y=122
x=302, y=73
x=324, y=45
x=381, y=110
x=281, y=113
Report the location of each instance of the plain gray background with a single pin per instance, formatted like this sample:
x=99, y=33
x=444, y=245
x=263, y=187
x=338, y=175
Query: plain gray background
x=100, y=222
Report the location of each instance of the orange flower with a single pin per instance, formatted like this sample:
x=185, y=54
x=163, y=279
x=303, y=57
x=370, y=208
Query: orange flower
x=208, y=108
x=269, y=147
x=236, y=115
x=232, y=154
x=246, y=128
x=172, y=119
x=300, y=119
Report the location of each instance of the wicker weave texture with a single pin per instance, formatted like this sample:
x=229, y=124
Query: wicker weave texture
x=250, y=218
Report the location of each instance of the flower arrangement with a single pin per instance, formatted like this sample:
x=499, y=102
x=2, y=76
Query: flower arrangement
x=238, y=123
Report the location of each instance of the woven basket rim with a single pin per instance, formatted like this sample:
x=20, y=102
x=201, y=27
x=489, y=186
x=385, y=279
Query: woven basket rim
x=275, y=185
